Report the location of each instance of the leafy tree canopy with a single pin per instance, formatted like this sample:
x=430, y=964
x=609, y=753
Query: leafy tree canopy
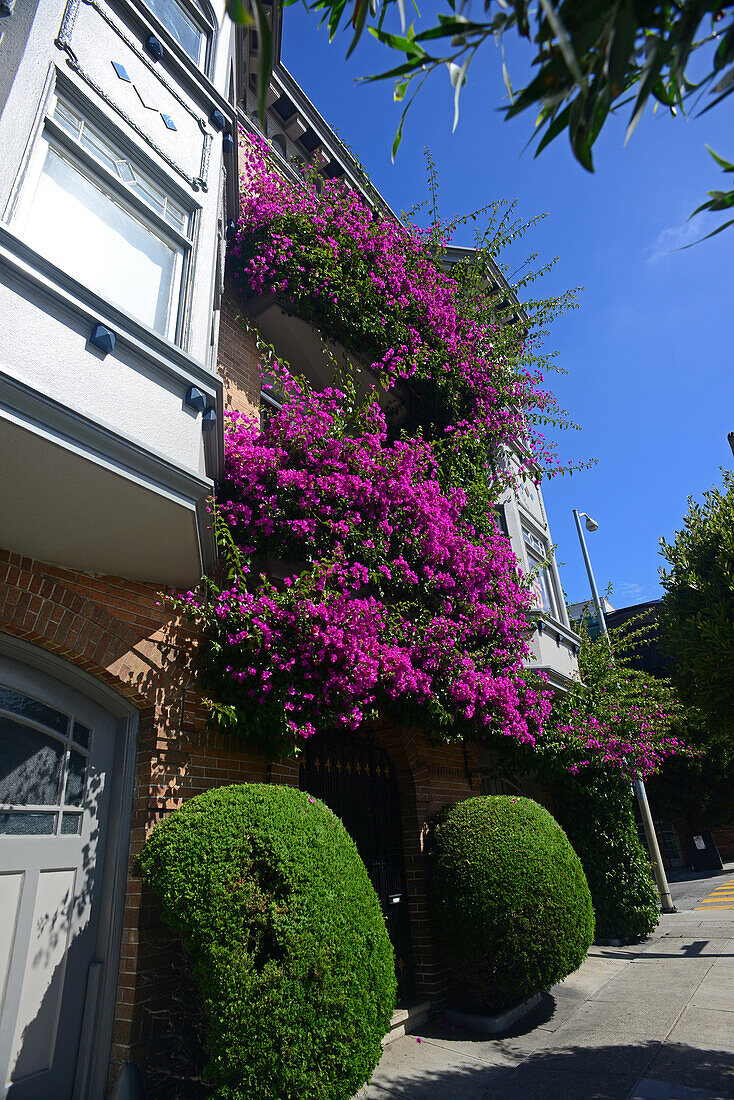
x=697, y=614
x=590, y=57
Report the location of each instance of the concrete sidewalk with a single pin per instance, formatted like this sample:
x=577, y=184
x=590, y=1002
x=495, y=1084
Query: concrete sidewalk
x=649, y=1022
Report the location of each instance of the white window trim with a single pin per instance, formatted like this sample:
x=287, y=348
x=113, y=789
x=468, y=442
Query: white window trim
x=51, y=134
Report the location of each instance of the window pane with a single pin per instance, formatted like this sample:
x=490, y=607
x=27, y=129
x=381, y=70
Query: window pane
x=30, y=765
x=75, y=779
x=81, y=734
x=86, y=232
x=180, y=25
x=20, y=824
x=68, y=118
x=71, y=824
x=534, y=541
x=31, y=708
x=541, y=588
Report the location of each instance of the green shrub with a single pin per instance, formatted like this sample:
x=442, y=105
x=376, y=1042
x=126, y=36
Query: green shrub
x=596, y=808
x=288, y=944
x=510, y=898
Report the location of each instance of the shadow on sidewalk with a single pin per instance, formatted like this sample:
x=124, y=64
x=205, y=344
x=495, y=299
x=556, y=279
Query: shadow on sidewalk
x=434, y=1071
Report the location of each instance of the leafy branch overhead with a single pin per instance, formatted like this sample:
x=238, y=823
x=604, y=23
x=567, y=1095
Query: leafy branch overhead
x=591, y=57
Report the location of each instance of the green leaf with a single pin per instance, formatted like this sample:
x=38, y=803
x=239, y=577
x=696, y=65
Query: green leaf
x=558, y=124
x=401, y=88
x=725, y=164
x=239, y=14
x=564, y=42
x=337, y=9
x=650, y=73
x=726, y=81
x=449, y=28
x=400, y=70
x=399, y=132
x=359, y=18
x=622, y=47
x=663, y=94
x=724, y=51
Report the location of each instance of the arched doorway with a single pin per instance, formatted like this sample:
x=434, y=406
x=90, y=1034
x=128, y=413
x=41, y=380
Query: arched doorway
x=357, y=780
x=64, y=821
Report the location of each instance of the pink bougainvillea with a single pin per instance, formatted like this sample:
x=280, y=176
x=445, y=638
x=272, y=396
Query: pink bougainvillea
x=366, y=575
x=390, y=603
x=373, y=284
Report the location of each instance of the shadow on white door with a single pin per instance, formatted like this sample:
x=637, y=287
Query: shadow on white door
x=57, y=750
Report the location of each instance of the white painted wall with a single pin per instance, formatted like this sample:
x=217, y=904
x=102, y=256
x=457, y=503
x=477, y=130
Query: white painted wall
x=48, y=350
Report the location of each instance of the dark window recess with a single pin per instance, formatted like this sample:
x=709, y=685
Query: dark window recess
x=280, y=144
x=284, y=108
x=310, y=141
x=499, y=512
x=81, y=734
x=332, y=171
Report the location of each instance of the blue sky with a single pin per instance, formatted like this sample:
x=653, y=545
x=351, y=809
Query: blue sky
x=648, y=353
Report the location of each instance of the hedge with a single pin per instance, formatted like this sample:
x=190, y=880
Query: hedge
x=286, y=937
x=511, y=903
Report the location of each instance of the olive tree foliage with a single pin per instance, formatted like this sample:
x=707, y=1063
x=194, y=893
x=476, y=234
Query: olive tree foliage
x=589, y=58
x=697, y=614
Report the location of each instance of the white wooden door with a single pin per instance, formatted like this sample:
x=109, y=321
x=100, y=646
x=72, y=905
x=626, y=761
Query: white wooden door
x=56, y=755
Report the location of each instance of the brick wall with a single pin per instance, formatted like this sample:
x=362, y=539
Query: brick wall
x=238, y=358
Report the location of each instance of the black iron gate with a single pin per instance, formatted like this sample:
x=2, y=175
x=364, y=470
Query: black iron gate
x=356, y=779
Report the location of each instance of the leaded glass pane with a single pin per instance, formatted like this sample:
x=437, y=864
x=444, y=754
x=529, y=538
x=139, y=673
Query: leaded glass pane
x=30, y=765
x=30, y=824
x=104, y=151
x=32, y=709
x=75, y=779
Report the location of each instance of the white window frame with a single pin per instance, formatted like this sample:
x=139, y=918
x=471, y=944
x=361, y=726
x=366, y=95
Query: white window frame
x=54, y=135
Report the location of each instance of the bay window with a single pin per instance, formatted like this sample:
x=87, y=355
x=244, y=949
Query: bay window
x=95, y=212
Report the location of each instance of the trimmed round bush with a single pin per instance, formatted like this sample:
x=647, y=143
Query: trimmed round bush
x=511, y=902
x=288, y=944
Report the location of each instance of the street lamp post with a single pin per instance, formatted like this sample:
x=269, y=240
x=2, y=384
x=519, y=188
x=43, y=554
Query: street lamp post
x=666, y=901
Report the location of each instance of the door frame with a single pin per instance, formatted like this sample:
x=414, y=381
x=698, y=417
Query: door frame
x=98, y=1018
